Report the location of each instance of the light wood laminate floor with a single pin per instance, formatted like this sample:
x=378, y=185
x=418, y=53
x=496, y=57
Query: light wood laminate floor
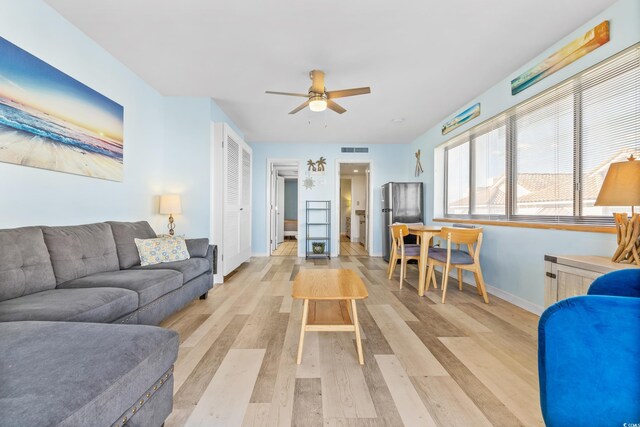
x=287, y=248
x=426, y=364
x=349, y=248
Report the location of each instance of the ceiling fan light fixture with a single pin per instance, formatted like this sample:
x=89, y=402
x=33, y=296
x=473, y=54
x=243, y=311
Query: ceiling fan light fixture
x=317, y=104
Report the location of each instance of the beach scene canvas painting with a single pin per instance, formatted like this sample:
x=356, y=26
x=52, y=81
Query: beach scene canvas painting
x=462, y=118
x=593, y=39
x=49, y=120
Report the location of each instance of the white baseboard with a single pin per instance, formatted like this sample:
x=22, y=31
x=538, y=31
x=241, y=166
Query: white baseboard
x=259, y=254
x=516, y=300
x=509, y=297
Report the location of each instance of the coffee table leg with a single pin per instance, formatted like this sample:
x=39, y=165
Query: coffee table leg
x=354, y=312
x=305, y=313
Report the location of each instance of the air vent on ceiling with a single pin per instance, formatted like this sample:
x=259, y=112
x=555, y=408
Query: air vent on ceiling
x=355, y=149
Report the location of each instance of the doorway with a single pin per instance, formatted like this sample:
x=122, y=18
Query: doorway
x=283, y=208
x=354, y=210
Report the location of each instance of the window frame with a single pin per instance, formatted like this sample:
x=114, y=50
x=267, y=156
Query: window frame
x=508, y=119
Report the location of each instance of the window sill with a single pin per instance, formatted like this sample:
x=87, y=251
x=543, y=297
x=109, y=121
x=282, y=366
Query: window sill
x=569, y=227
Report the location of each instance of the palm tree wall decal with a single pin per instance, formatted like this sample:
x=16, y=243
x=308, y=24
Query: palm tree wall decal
x=312, y=165
x=321, y=164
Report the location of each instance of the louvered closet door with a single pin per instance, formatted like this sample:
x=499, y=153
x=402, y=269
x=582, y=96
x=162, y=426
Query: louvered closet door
x=232, y=205
x=245, y=203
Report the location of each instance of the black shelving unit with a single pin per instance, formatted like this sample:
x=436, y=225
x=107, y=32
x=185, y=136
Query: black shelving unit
x=318, y=226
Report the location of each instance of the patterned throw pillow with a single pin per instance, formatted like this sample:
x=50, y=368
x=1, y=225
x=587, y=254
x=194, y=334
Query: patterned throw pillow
x=163, y=249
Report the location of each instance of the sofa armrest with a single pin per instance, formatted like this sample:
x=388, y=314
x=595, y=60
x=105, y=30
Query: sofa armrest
x=197, y=247
x=212, y=256
x=200, y=248
x=621, y=283
x=588, y=346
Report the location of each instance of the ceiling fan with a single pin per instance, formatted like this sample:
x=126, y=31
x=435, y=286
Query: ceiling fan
x=318, y=98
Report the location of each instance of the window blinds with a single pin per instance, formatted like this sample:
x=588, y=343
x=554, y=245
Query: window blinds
x=610, y=125
x=544, y=160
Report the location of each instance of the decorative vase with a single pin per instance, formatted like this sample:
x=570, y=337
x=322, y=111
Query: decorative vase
x=318, y=247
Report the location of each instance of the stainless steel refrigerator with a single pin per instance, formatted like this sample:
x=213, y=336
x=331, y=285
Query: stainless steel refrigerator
x=401, y=202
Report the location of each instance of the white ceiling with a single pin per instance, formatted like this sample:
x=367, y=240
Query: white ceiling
x=424, y=59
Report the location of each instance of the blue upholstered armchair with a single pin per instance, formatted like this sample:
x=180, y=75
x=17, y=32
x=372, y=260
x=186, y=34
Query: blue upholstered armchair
x=589, y=355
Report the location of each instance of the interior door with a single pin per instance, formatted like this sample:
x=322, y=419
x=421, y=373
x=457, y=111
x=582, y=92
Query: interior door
x=273, y=218
x=280, y=209
x=237, y=202
x=231, y=250
x=367, y=212
x=245, y=203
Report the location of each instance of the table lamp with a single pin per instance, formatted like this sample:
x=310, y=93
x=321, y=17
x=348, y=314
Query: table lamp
x=169, y=205
x=621, y=187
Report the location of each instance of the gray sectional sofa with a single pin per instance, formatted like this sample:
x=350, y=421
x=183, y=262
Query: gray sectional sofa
x=61, y=363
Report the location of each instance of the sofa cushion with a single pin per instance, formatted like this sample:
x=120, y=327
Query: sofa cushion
x=162, y=249
x=99, y=305
x=81, y=374
x=123, y=234
x=149, y=285
x=80, y=250
x=190, y=268
x=25, y=266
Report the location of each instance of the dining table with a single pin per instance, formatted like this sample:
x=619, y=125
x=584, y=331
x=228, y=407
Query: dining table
x=426, y=233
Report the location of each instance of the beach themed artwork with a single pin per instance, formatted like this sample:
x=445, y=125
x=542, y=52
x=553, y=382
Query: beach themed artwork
x=462, y=118
x=49, y=120
x=593, y=39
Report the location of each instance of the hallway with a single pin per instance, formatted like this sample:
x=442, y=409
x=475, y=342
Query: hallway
x=287, y=248
x=348, y=248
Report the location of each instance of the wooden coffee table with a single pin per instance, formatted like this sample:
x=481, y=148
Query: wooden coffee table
x=329, y=285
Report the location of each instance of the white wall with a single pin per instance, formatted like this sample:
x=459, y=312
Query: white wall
x=358, y=202
x=513, y=258
x=345, y=203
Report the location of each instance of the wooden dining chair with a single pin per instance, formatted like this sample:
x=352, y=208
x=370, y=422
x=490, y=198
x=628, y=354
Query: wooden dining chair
x=401, y=251
x=457, y=258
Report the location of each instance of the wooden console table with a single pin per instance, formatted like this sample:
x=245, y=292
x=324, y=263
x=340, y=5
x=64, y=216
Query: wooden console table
x=571, y=275
x=316, y=286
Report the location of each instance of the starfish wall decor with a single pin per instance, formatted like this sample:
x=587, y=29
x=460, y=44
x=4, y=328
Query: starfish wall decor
x=308, y=183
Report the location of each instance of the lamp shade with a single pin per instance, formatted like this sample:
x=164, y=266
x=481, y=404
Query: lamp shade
x=621, y=186
x=170, y=204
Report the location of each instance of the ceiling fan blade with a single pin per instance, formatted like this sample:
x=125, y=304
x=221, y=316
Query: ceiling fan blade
x=303, y=95
x=335, y=107
x=301, y=107
x=317, y=78
x=348, y=92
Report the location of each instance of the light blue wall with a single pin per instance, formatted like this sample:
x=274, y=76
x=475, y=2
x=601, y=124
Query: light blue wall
x=31, y=196
x=166, y=139
x=291, y=199
x=384, y=159
x=513, y=258
x=187, y=159
x=187, y=169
